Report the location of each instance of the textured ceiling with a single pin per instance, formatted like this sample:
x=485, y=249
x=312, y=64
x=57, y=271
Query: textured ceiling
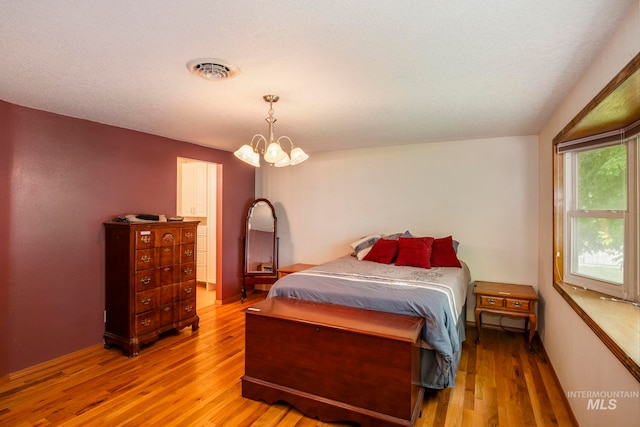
x=358, y=73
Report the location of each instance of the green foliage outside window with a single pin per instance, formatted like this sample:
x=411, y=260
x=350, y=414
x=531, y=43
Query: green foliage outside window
x=602, y=186
x=602, y=179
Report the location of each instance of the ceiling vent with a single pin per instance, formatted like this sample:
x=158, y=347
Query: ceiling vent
x=212, y=69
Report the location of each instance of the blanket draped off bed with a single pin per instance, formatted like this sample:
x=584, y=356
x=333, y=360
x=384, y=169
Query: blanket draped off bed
x=437, y=295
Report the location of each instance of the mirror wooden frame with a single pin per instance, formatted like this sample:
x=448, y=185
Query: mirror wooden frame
x=260, y=251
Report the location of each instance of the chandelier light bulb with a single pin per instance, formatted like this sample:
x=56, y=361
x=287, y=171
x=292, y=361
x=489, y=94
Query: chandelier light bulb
x=298, y=156
x=255, y=159
x=244, y=153
x=274, y=153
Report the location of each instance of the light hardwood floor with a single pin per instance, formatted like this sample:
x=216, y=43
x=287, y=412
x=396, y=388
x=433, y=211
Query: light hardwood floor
x=193, y=379
x=204, y=298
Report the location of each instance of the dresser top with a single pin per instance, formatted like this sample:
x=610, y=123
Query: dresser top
x=152, y=224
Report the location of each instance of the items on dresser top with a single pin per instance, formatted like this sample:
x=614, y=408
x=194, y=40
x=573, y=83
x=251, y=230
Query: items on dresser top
x=150, y=281
x=136, y=218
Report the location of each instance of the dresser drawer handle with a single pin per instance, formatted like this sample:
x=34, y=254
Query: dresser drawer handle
x=145, y=301
x=188, y=234
x=167, y=308
x=517, y=304
x=146, y=280
x=188, y=290
x=188, y=270
x=492, y=301
x=188, y=308
x=146, y=322
x=145, y=258
x=145, y=239
x=188, y=252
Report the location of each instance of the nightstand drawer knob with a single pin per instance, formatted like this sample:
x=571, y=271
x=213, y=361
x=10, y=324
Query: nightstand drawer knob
x=492, y=301
x=517, y=304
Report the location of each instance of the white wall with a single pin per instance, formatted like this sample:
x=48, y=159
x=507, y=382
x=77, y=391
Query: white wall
x=483, y=192
x=580, y=359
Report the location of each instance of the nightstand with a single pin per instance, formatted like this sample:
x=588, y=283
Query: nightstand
x=507, y=300
x=294, y=268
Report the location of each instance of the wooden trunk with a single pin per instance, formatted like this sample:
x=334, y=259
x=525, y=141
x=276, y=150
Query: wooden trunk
x=333, y=362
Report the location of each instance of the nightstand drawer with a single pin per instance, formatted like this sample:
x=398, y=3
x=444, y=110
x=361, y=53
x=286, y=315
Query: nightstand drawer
x=517, y=304
x=486, y=301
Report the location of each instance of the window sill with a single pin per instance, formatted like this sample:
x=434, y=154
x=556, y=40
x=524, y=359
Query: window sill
x=616, y=324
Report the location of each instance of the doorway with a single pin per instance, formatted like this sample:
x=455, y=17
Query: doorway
x=197, y=200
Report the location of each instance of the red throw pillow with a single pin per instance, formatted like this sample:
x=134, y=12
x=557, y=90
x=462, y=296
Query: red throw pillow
x=414, y=251
x=443, y=254
x=383, y=251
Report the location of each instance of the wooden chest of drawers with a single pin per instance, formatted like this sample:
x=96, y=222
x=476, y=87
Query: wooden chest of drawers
x=333, y=362
x=150, y=281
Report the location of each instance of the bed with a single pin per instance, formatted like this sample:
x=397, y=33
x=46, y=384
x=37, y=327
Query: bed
x=436, y=294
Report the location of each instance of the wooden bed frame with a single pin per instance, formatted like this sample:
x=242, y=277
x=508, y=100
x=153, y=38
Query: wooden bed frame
x=335, y=363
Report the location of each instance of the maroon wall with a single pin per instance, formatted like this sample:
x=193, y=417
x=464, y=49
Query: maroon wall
x=62, y=178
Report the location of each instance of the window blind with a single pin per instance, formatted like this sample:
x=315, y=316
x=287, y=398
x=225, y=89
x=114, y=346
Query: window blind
x=601, y=140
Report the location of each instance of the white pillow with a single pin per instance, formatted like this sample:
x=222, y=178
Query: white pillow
x=362, y=246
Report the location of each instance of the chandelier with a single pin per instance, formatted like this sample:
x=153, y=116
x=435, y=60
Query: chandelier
x=271, y=149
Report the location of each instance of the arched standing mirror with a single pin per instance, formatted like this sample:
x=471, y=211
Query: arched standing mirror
x=260, y=245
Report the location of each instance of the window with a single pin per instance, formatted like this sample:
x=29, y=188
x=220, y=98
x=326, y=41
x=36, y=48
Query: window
x=596, y=230
x=600, y=217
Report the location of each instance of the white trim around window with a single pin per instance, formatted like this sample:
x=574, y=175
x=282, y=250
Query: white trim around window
x=576, y=272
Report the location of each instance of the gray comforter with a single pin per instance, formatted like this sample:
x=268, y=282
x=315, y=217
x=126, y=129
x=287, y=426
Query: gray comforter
x=437, y=295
